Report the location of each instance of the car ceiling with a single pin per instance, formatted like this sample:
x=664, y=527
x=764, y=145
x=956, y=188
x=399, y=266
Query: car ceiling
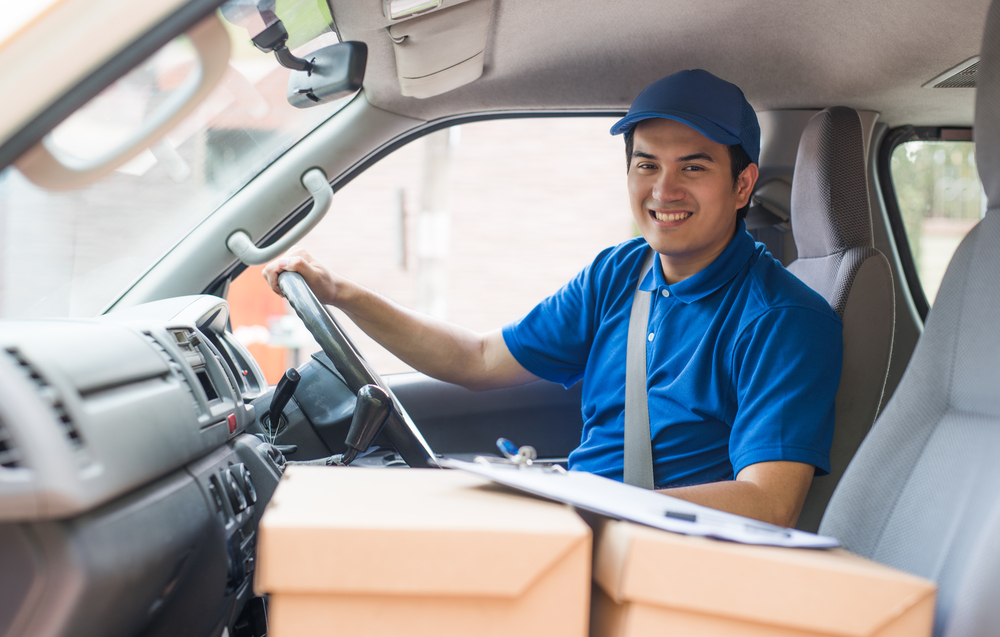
x=785, y=54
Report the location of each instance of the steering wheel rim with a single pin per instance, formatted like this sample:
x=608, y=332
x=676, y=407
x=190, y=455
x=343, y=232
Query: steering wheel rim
x=399, y=428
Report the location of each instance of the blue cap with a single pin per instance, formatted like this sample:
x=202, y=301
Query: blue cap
x=714, y=107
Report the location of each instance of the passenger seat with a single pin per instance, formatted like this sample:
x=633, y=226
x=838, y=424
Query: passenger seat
x=832, y=226
x=923, y=492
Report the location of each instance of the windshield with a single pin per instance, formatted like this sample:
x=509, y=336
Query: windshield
x=72, y=253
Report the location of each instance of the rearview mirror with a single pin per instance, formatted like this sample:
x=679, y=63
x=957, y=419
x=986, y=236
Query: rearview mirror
x=334, y=72
x=322, y=76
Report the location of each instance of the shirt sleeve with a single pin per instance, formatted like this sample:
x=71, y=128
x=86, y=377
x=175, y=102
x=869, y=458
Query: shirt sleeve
x=553, y=340
x=787, y=366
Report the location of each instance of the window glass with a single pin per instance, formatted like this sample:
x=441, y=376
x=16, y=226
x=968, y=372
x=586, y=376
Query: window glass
x=940, y=199
x=475, y=224
x=70, y=253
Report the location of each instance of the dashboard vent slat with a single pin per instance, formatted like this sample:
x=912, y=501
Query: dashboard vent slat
x=48, y=393
x=10, y=457
x=175, y=368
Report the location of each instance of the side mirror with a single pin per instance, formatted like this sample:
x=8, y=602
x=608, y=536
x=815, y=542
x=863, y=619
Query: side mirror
x=335, y=72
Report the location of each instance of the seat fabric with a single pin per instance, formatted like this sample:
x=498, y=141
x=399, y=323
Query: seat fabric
x=923, y=492
x=832, y=226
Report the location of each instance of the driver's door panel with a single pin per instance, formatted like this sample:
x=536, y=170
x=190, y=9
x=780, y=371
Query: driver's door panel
x=455, y=420
x=452, y=419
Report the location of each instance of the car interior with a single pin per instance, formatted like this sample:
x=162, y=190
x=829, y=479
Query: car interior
x=140, y=438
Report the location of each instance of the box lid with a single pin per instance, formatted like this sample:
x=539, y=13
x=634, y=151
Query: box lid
x=408, y=531
x=829, y=591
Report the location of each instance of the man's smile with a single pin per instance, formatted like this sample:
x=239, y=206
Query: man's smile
x=670, y=216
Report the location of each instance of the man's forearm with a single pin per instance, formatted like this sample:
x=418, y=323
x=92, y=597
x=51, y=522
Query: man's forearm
x=741, y=498
x=768, y=491
x=437, y=348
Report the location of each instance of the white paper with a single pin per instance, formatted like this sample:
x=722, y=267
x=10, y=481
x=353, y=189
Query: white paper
x=625, y=502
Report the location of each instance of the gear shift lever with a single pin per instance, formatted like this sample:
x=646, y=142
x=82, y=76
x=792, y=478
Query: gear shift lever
x=372, y=410
x=282, y=394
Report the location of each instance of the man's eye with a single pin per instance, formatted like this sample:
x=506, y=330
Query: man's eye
x=693, y=167
x=645, y=165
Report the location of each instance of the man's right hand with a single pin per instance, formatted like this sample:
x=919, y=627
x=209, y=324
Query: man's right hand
x=327, y=286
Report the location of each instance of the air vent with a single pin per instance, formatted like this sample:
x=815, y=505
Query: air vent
x=51, y=396
x=175, y=368
x=962, y=76
x=10, y=457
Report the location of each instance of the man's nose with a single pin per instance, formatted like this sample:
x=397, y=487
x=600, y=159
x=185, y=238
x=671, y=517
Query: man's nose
x=667, y=187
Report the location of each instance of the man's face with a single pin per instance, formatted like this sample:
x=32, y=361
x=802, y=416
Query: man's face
x=682, y=194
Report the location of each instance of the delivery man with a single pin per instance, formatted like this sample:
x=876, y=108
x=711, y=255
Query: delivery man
x=743, y=360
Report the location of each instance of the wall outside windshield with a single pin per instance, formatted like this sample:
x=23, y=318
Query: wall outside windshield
x=72, y=253
x=475, y=225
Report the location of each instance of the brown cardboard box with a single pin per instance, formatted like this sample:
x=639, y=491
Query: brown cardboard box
x=651, y=582
x=355, y=551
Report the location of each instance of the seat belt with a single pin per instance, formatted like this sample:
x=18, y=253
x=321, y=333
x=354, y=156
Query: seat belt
x=638, y=447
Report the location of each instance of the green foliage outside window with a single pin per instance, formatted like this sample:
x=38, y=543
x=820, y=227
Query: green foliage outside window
x=940, y=198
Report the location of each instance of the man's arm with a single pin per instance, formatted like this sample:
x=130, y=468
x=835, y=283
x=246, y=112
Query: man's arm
x=768, y=491
x=437, y=348
x=788, y=365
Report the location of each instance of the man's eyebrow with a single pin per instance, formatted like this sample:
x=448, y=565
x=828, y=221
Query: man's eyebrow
x=701, y=156
x=696, y=156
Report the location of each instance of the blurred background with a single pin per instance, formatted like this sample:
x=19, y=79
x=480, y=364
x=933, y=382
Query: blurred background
x=475, y=224
x=940, y=198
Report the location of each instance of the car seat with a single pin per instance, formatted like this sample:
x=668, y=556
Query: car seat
x=923, y=492
x=832, y=227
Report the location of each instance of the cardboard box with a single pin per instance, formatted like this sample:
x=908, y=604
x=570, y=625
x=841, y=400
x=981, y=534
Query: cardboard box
x=358, y=551
x=651, y=582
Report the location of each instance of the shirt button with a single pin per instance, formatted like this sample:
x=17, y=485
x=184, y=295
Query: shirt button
x=666, y=292
x=650, y=338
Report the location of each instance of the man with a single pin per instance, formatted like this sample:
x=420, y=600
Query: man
x=743, y=359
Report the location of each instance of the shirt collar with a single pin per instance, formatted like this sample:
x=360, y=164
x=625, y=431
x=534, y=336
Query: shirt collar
x=713, y=277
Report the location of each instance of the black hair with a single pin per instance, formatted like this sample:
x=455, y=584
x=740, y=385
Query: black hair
x=738, y=161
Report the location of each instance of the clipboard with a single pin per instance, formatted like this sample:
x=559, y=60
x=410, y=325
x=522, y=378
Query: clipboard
x=625, y=502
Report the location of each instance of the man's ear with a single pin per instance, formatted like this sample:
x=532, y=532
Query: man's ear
x=745, y=183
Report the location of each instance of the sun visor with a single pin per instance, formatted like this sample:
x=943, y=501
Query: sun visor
x=442, y=50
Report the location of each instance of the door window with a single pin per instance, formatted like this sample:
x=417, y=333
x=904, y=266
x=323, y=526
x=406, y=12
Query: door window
x=940, y=198
x=475, y=224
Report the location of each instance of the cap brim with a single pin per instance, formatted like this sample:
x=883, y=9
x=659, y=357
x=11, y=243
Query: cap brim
x=700, y=124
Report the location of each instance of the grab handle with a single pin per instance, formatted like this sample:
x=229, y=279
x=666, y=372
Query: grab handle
x=240, y=243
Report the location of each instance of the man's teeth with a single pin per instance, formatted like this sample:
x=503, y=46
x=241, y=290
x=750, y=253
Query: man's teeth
x=671, y=216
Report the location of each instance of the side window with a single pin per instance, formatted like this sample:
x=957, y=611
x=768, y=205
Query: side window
x=940, y=198
x=474, y=224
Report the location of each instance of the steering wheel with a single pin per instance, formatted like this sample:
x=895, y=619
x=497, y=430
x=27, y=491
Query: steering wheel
x=399, y=428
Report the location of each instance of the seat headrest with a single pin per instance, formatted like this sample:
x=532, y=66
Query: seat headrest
x=830, y=210
x=987, y=128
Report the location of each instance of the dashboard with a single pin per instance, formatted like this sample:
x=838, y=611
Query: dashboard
x=130, y=488
x=137, y=456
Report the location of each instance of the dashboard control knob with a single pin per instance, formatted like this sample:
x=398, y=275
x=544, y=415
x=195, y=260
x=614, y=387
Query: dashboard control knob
x=248, y=487
x=215, y=489
x=236, y=497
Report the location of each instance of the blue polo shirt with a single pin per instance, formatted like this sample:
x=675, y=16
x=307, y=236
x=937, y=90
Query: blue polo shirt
x=743, y=362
